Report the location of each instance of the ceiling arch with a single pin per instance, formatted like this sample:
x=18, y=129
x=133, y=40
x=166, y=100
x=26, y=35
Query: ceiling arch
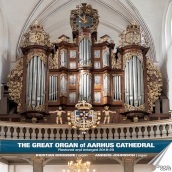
x=54, y=15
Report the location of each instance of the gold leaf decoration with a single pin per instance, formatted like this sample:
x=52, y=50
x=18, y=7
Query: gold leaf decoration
x=116, y=63
x=154, y=79
x=15, y=83
x=53, y=62
x=130, y=107
x=129, y=55
x=41, y=55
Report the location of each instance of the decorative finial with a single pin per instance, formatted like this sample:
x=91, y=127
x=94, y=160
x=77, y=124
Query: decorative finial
x=36, y=23
x=134, y=22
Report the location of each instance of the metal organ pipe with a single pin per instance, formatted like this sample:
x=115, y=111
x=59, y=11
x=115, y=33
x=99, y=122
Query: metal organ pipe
x=85, y=86
x=52, y=88
x=139, y=80
x=134, y=88
x=35, y=83
x=49, y=88
x=27, y=84
x=135, y=81
x=127, y=83
x=131, y=82
x=31, y=81
x=85, y=51
x=38, y=82
x=117, y=87
x=142, y=85
x=43, y=83
x=120, y=88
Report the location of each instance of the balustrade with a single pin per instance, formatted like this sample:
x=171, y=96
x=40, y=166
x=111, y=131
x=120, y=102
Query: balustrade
x=144, y=130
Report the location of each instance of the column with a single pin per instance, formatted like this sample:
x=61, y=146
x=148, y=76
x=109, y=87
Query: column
x=37, y=163
x=128, y=163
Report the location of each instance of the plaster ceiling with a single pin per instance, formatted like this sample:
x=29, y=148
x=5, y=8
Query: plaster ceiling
x=115, y=15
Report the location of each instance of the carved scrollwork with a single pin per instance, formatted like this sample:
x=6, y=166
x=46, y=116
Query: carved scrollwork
x=130, y=107
x=116, y=63
x=154, y=79
x=41, y=55
x=129, y=55
x=53, y=62
x=37, y=108
x=63, y=38
x=35, y=36
x=15, y=83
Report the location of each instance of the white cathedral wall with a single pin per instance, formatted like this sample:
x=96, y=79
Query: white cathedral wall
x=169, y=75
x=4, y=61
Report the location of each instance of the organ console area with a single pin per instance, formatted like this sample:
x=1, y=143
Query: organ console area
x=67, y=71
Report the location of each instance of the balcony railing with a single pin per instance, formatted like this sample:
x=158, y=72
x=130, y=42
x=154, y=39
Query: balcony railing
x=143, y=130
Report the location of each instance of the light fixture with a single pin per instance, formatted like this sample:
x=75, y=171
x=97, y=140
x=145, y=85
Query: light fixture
x=79, y=166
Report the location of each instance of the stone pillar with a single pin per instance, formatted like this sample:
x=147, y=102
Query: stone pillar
x=128, y=163
x=37, y=163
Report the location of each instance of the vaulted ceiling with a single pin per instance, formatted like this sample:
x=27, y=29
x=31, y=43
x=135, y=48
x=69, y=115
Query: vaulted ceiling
x=54, y=15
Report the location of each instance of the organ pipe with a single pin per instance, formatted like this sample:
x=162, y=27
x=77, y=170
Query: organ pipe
x=85, y=52
x=85, y=86
x=35, y=83
x=117, y=87
x=134, y=89
x=52, y=88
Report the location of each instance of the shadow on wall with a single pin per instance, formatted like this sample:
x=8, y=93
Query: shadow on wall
x=165, y=78
x=4, y=69
x=169, y=75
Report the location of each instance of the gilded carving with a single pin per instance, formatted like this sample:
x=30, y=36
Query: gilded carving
x=129, y=55
x=35, y=36
x=63, y=38
x=41, y=55
x=154, y=79
x=53, y=61
x=37, y=108
x=132, y=36
x=81, y=37
x=89, y=64
x=131, y=108
x=15, y=83
x=105, y=38
x=116, y=63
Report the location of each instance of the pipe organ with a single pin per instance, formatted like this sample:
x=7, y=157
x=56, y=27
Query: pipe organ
x=65, y=72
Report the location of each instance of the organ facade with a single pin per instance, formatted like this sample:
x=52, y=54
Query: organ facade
x=88, y=69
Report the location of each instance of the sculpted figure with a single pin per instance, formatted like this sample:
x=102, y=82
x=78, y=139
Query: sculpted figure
x=107, y=114
x=59, y=114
